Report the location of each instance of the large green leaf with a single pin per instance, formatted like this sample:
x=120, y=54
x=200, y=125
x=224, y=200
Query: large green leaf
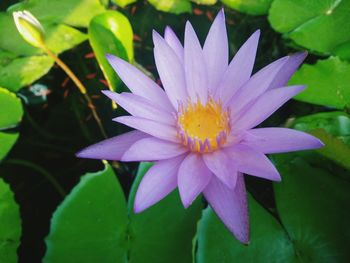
x=172, y=6
x=313, y=207
x=123, y=3
x=336, y=123
x=6, y=57
x=252, y=7
x=12, y=106
x=12, y=112
x=164, y=232
x=7, y=140
x=268, y=241
x=328, y=82
x=23, y=71
x=10, y=230
x=321, y=26
x=111, y=33
x=333, y=129
x=205, y=2
x=72, y=12
x=90, y=225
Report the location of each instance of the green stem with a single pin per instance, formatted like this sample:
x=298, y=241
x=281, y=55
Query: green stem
x=41, y=171
x=79, y=84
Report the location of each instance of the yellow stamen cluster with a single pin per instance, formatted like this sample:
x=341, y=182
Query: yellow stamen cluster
x=203, y=128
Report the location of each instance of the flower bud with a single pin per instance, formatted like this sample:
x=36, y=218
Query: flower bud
x=29, y=28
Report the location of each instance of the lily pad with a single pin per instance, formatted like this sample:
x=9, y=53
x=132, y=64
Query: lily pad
x=328, y=82
x=312, y=204
x=73, y=12
x=269, y=242
x=251, y=7
x=111, y=33
x=172, y=6
x=205, y=2
x=12, y=106
x=10, y=221
x=163, y=232
x=123, y=3
x=333, y=129
x=320, y=26
x=23, y=71
x=90, y=225
x=7, y=140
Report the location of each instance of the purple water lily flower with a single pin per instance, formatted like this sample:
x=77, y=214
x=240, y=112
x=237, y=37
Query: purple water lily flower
x=199, y=130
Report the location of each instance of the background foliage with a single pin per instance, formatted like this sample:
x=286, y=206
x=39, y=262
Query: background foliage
x=57, y=208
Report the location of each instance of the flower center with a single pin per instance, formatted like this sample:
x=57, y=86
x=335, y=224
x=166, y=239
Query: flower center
x=203, y=128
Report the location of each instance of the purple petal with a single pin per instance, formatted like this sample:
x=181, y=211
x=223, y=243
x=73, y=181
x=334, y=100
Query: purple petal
x=222, y=166
x=193, y=176
x=252, y=162
x=256, y=86
x=287, y=71
x=230, y=206
x=156, y=129
x=265, y=106
x=239, y=70
x=215, y=51
x=278, y=140
x=173, y=41
x=113, y=148
x=140, y=107
x=195, y=68
x=152, y=149
x=159, y=181
x=139, y=83
x=170, y=70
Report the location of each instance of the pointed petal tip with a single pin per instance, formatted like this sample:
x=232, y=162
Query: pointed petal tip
x=118, y=119
x=79, y=154
x=168, y=30
x=302, y=54
x=246, y=242
x=221, y=14
x=137, y=208
x=283, y=59
x=112, y=59
x=156, y=36
x=107, y=92
x=320, y=144
x=109, y=56
x=188, y=27
x=255, y=35
x=297, y=88
x=242, y=236
x=84, y=153
x=316, y=144
x=114, y=96
x=299, y=56
x=277, y=178
x=275, y=175
x=185, y=203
